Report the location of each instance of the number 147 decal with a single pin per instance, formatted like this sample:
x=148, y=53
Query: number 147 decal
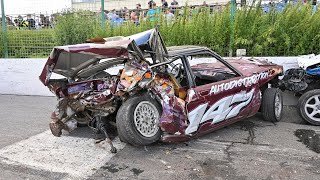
x=221, y=110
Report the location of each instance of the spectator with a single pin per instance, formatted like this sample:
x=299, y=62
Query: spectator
x=46, y=22
x=174, y=5
x=31, y=22
x=153, y=12
x=138, y=10
x=169, y=16
x=126, y=10
x=9, y=21
x=138, y=6
x=150, y=3
x=134, y=18
x=127, y=16
x=111, y=15
x=204, y=4
x=38, y=23
x=20, y=23
x=123, y=12
x=164, y=4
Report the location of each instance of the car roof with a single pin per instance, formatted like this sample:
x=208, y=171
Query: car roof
x=186, y=50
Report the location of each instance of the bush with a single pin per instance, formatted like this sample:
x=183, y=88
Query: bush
x=75, y=27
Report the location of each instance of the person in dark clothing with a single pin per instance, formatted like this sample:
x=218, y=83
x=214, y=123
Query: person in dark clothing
x=150, y=4
x=138, y=10
x=174, y=5
x=31, y=22
x=164, y=4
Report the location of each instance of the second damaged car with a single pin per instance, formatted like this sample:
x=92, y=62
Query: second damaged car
x=151, y=93
x=305, y=82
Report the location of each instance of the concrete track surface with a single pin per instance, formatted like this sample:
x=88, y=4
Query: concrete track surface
x=249, y=149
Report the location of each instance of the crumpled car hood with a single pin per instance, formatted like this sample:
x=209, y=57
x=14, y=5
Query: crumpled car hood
x=66, y=58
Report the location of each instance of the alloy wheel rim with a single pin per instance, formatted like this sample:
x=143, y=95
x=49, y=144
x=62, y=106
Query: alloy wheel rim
x=278, y=106
x=312, y=108
x=146, y=117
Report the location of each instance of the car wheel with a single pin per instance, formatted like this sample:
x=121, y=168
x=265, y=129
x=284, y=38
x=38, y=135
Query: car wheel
x=272, y=105
x=138, y=120
x=309, y=106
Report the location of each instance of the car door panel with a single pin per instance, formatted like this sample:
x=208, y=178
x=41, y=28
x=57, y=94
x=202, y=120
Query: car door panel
x=215, y=109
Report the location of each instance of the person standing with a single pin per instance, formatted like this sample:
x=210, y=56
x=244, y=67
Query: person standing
x=31, y=22
x=150, y=3
x=174, y=5
x=138, y=10
x=153, y=12
x=169, y=16
x=164, y=4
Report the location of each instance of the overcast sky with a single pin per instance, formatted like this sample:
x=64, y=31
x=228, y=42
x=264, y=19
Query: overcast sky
x=35, y=6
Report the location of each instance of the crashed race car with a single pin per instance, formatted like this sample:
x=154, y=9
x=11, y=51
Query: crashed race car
x=149, y=92
x=305, y=82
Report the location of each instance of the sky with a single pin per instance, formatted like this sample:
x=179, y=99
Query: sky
x=35, y=6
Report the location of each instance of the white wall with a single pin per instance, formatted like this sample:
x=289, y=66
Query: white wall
x=21, y=76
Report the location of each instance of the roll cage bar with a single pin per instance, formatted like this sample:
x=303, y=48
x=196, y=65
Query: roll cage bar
x=193, y=51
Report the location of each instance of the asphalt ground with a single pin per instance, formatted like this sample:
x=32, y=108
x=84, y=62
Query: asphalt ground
x=249, y=149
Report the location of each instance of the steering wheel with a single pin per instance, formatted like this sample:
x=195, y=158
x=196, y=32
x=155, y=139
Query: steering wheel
x=176, y=70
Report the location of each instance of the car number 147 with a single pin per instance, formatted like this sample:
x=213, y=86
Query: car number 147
x=219, y=111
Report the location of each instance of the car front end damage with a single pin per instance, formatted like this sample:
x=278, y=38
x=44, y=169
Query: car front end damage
x=87, y=94
x=302, y=79
x=305, y=82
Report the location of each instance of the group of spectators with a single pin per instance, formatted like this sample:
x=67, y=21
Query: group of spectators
x=29, y=22
x=118, y=17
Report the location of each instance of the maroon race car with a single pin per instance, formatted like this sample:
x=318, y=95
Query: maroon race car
x=150, y=93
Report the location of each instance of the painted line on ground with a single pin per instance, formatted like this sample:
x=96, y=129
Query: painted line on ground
x=78, y=157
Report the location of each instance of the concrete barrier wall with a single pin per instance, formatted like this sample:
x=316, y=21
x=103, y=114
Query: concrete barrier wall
x=21, y=76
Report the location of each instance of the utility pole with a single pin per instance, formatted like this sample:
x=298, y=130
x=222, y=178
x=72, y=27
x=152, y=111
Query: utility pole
x=102, y=15
x=4, y=30
x=233, y=11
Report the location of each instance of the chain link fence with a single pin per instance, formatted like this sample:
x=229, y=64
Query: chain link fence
x=30, y=28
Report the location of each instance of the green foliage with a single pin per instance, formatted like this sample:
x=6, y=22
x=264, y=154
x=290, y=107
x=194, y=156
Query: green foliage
x=294, y=31
x=75, y=27
x=30, y=43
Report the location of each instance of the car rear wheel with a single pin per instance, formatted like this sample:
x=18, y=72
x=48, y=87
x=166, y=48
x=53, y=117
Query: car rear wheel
x=138, y=120
x=309, y=106
x=272, y=105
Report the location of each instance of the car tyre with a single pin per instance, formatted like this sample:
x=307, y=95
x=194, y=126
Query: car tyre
x=138, y=120
x=272, y=105
x=308, y=104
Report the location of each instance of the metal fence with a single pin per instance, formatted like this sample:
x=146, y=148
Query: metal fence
x=28, y=27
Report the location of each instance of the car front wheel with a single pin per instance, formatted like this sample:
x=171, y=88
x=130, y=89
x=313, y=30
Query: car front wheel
x=138, y=120
x=309, y=106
